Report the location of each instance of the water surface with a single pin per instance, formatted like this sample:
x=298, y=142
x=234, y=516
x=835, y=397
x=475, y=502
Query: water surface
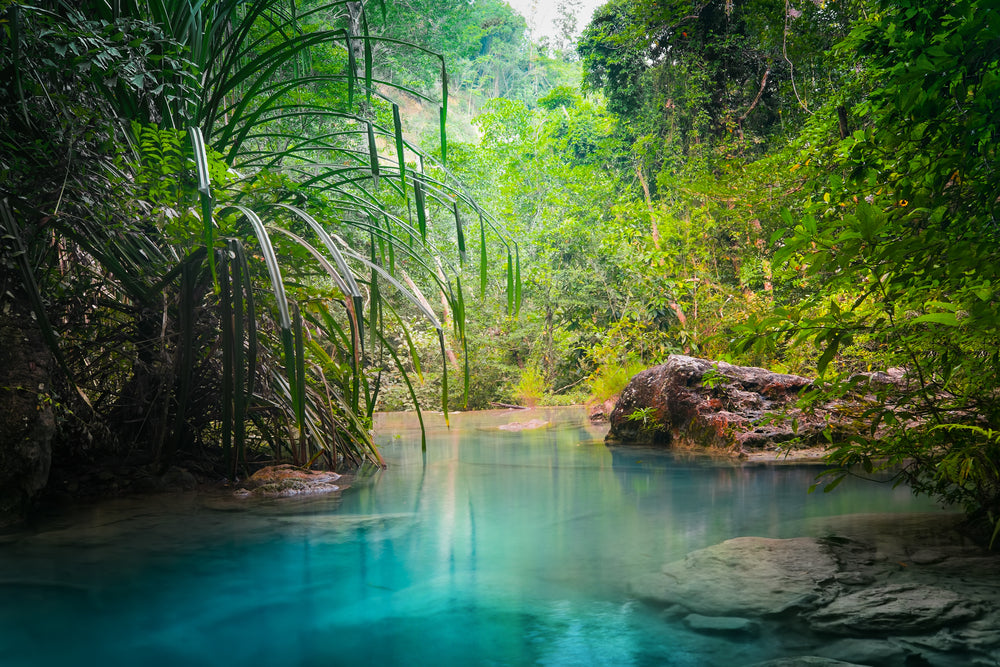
x=492, y=548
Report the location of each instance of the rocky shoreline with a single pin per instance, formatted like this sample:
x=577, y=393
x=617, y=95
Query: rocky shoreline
x=877, y=590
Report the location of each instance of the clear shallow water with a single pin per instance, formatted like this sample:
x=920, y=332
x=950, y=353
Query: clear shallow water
x=496, y=548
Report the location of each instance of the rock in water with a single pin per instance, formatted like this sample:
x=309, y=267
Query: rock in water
x=690, y=402
x=746, y=576
x=526, y=426
x=721, y=625
x=285, y=480
x=895, y=608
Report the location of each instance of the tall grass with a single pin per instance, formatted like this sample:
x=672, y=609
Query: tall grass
x=610, y=379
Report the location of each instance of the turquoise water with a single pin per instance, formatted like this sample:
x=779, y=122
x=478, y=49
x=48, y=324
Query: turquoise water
x=494, y=548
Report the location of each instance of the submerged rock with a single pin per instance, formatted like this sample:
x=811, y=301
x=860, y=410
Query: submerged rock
x=864, y=651
x=867, y=593
x=691, y=402
x=746, y=576
x=722, y=625
x=525, y=426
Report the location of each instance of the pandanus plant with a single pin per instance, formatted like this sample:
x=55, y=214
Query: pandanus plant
x=220, y=244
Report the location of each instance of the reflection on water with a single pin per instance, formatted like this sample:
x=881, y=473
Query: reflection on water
x=492, y=548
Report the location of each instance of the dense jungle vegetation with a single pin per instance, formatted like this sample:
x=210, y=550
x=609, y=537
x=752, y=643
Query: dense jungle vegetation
x=233, y=231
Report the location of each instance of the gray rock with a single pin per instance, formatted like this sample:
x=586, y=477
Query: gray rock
x=895, y=608
x=746, y=576
x=864, y=651
x=854, y=578
x=721, y=625
x=928, y=556
x=983, y=634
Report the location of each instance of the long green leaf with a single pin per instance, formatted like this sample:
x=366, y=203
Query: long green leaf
x=369, y=67
x=300, y=380
x=510, y=284
x=428, y=313
x=444, y=377
x=278, y=287
x=460, y=330
x=373, y=154
x=344, y=276
x=270, y=260
x=418, y=196
x=517, y=280
x=483, y=261
x=251, y=316
x=397, y=125
x=444, y=113
x=459, y=233
x=353, y=307
x=204, y=195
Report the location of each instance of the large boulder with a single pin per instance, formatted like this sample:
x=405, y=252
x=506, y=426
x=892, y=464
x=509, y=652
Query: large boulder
x=697, y=403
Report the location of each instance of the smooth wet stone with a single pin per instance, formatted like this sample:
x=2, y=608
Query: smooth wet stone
x=928, y=556
x=864, y=651
x=721, y=624
x=524, y=426
x=746, y=576
x=984, y=633
x=854, y=578
x=895, y=609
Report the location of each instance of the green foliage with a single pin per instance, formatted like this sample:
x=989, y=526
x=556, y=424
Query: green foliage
x=610, y=379
x=645, y=415
x=893, y=246
x=530, y=386
x=286, y=230
x=690, y=79
x=712, y=378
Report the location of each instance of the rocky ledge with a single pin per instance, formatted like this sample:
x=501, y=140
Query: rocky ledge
x=696, y=403
x=862, y=594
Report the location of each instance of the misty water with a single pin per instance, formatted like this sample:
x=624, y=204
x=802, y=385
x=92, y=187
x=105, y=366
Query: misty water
x=494, y=548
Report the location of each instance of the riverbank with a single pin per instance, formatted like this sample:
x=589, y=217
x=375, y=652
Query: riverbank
x=875, y=589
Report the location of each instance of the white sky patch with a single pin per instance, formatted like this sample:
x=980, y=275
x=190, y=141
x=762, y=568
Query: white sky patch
x=542, y=13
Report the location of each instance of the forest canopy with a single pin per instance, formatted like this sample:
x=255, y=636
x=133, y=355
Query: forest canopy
x=241, y=229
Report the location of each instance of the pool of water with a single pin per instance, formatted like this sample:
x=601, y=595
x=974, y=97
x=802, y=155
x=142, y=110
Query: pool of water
x=494, y=547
